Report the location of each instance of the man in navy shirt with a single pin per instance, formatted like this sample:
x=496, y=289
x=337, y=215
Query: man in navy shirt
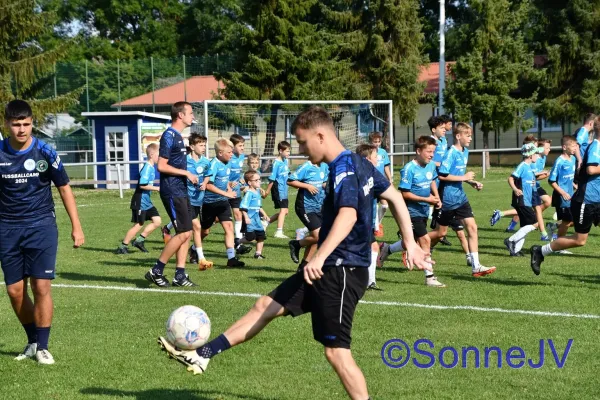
x=29, y=236
x=585, y=204
x=172, y=165
x=336, y=277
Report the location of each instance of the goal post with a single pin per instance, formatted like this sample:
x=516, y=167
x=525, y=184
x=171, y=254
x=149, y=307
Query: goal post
x=264, y=123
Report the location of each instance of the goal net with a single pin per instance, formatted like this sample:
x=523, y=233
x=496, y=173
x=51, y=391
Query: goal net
x=265, y=123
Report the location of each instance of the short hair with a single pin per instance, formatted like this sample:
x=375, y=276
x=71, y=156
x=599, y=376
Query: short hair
x=196, y=138
x=221, y=144
x=565, y=140
x=375, y=135
x=177, y=108
x=253, y=156
x=596, y=127
x=365, y=149
x=150, y=148
x=529, y=139
x=589, y=118
x=434, y=122
x=235, y=139
x=283, y=145
x=249, y=174
x=312, y=117
x=461, y=127
x=424, y=141
x=445, y=118
x=17, y=109
x=542, y=141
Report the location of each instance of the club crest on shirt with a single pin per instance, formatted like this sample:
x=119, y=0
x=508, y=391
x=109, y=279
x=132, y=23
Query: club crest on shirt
x=428, y=175
x=41, y=166
x=200, y=170
x=29, y=165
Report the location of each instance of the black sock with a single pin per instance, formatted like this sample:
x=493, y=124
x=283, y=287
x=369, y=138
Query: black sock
x=158, y=268
x=124, y=245
x=179, y=273
x=31, y=332
x=214, y=347
x=43, y=334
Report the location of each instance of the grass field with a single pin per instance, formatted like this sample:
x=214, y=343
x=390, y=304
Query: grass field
x=107, y=319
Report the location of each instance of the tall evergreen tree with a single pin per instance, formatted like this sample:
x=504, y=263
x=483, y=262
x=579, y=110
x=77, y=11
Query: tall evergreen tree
x=485, y=83
x=25, y=67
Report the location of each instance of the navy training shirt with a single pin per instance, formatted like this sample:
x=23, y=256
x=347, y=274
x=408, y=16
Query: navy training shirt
x=173, y=149
x=25, y=183
x=353, y=182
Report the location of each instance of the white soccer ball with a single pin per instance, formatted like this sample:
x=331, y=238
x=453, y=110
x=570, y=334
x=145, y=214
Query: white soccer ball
x=188, y=328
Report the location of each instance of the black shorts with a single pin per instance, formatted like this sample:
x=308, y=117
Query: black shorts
x=278, y=202
x=527, y=215
x=141, y=216
x=419, y=226
x=584, y=215
x=235, y=203
x=197, y=212
x=259, y=236
x=211, y=211
x=541, y=192
x=179, y=210
x=536, y=199
x=331, y=301
x=311, y=221
x=454, y=217
x=564, y=214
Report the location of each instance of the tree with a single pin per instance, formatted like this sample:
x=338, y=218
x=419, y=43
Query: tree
x=383, y=39
x=26, y=66
x=485, y=85
x=457, y=14
x=280, y=55
x=568, y=34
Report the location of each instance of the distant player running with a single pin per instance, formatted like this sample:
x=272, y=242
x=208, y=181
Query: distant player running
x=331, y=284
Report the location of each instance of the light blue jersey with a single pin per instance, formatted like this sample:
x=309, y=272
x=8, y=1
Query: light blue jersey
x=219, y=176
x=441, y=147
x=592, y=186
x=236, y=164
x=383, y=160
x=454, y=163
x=251, y=203
x=147, y=175
x=199, y=168
x=538, y=167
x=524, y=177
x=563, y=173
x=314, y=175
x=417, y=179
x=583, y=139
x=279, y=177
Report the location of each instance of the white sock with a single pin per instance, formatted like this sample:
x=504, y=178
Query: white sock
x=519, y=245
x=279, y=230
x=200, y=253
x=396, y=247
x=372, y=267
x=430, y=212
x=546, y=250
x=170, y=226
x=475, y=260
x=230, y=253
x=238, y=229
x=521, y=233
x=379, y=213
x=304, y=230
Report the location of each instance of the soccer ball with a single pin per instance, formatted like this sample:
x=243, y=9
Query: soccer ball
x=188, y=328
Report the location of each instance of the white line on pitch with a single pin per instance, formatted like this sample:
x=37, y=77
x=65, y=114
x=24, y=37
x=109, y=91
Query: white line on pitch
x=379, y=303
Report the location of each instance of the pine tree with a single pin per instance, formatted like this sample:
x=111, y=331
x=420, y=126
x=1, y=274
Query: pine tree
x=485, y=83
x=24, y=66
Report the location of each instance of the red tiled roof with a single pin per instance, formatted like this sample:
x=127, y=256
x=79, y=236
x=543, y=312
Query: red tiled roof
x=198, y=88
x=431, y=74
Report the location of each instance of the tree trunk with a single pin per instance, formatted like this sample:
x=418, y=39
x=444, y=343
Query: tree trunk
x=269, y=147
x=486, y=145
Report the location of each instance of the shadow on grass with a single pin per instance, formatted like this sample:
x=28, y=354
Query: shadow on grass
x=122, y=262
x=169, y=394
x=580, y=278
x=493, y=280
x=74, y=276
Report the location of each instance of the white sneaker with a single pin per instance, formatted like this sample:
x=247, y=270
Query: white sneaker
x=28, y=352
x=482, y=271
x=300, y=234
x=44, y=357
x=433, y=282
x=564, y=252
x=280, y=235
x=384, y=253
x=191, y=359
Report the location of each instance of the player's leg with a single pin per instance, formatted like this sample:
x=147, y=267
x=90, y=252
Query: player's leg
x=283, y=212
x=155, y=222
x=466, y=214
x=459, y=229
x=260, y=242
x=224, y=215
x=138, y=222
x=43, y=311
x=348, y=371
x=529, y=222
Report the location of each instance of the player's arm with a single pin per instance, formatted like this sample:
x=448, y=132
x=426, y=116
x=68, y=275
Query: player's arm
x=578, y=156
x=204, y=183
x=212, y=188
x=150, y=187
x=408, y=196
x=511, y=182
x=66, y=194
x=264, y=214
x=164, y=168
x=592, y=169
x=302, y=185
x=246, y=217
x=457, y=178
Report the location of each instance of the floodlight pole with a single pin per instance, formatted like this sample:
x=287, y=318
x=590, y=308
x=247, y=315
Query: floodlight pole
x=442, y=81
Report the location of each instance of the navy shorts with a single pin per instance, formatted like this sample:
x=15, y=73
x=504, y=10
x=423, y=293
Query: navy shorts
x=28, y=252
x=180, y=212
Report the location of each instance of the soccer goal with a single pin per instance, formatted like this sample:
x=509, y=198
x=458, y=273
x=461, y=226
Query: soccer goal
x=265, y=123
